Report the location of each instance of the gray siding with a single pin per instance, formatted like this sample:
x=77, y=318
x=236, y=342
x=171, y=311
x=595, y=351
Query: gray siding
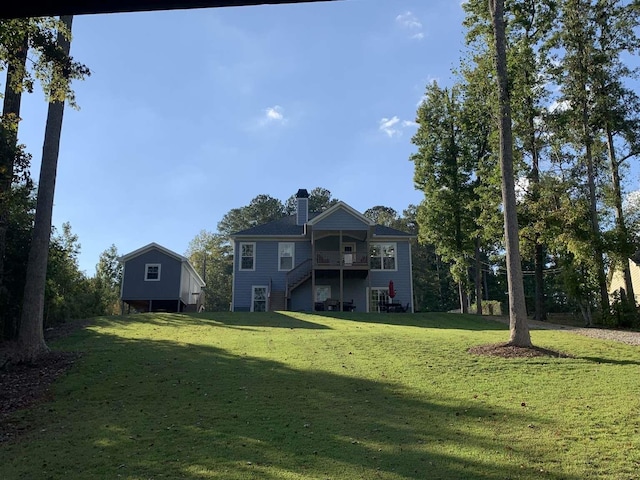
x=341, y=220
x=401, y=277
x=265, y=270
x=136, y=288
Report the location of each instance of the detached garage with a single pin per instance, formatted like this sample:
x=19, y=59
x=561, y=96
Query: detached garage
x=155, y=279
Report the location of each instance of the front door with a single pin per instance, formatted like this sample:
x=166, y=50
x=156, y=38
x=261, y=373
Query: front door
x=348, y=253
x=259, y=299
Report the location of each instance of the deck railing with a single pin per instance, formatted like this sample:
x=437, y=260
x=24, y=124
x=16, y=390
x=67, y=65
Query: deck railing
x=333, y=258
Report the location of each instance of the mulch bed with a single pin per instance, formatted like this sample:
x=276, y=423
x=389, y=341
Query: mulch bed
x=505, y=350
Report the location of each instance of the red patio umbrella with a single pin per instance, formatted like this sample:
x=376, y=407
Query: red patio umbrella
x=392, y=292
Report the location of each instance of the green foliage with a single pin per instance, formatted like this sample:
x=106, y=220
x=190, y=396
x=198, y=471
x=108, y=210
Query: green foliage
x=444, y=172
x=212, y=256
x=239, y=396
x=108, y=280
x=47, y=63
x=69, y=293
x=623, y=314
x=319, y=200
x=21, y=205
x=261, y=209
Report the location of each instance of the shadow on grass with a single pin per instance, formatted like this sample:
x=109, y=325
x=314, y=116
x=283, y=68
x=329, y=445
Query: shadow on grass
x=228, y=319
x=424, y=320
x=150, y=409
x=609, y=361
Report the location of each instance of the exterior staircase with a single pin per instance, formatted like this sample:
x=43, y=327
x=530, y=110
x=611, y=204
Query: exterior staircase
x=278, y=301
x=298, y=276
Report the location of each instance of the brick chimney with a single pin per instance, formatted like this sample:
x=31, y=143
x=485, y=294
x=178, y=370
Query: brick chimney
x=302, y=207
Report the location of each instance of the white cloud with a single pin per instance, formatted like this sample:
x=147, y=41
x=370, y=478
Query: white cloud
x=410, y=22
x=387, y=125
x=273, y=115
x=392, y=127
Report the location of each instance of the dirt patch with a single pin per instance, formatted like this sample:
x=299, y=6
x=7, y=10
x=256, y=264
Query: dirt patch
x=505, y=350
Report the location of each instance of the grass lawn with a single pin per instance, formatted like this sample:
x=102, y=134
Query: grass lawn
x=347, y=396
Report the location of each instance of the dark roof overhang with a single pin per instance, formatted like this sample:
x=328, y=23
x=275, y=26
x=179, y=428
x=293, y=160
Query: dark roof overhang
x=34, y=8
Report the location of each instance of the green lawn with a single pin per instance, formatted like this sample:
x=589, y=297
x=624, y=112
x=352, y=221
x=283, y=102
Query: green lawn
x=348, y=396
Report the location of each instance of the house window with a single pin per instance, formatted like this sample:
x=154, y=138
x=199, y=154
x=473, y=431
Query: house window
x=377, y=297
x=285, y=255
x=383, y=256
x=259, y=298
x=152, y=272
x=247, y=256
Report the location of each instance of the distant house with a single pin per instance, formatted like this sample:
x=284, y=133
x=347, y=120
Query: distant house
x=617, y=283
x=156, y=279
x=337, y=259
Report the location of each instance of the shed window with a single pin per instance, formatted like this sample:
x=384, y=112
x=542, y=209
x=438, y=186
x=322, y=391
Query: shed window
x=152, y=272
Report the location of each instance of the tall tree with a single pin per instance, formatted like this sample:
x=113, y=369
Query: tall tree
x=576, y=39
x=444, y=172
x=9, y=149
x=31, y=335
x=108, y=279
x=529, y=32
x=212, y=256
x=262, y=209
x=617, y=111
x=519, y=328
x=18, y=37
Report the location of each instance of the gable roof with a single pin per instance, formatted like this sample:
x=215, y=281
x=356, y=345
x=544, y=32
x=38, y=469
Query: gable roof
x=166, y=251
x=341, y=206
x=287, y=227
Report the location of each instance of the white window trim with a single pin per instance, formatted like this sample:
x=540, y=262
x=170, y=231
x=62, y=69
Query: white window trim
x=293, y=256
x=369, y=291
x=146, y=272
x=240, y=257
x=395, y=249
x=253, y=296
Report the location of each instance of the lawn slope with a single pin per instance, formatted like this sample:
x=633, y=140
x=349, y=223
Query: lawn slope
x=348, y=396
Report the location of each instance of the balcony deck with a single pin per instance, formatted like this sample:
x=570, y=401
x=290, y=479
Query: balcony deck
x=331, y=260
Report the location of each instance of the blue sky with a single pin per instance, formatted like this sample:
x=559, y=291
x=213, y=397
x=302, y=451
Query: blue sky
x=188, y=114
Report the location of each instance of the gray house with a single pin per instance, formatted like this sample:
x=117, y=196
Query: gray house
x=156, y=279
x=337, y=259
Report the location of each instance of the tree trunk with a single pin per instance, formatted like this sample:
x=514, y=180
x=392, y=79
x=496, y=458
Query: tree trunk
x=464, y=308
x=478, y=278
x=541, y=312
x=595, y=230
x=9, y=137
x=31, y=336
x=519, y=328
